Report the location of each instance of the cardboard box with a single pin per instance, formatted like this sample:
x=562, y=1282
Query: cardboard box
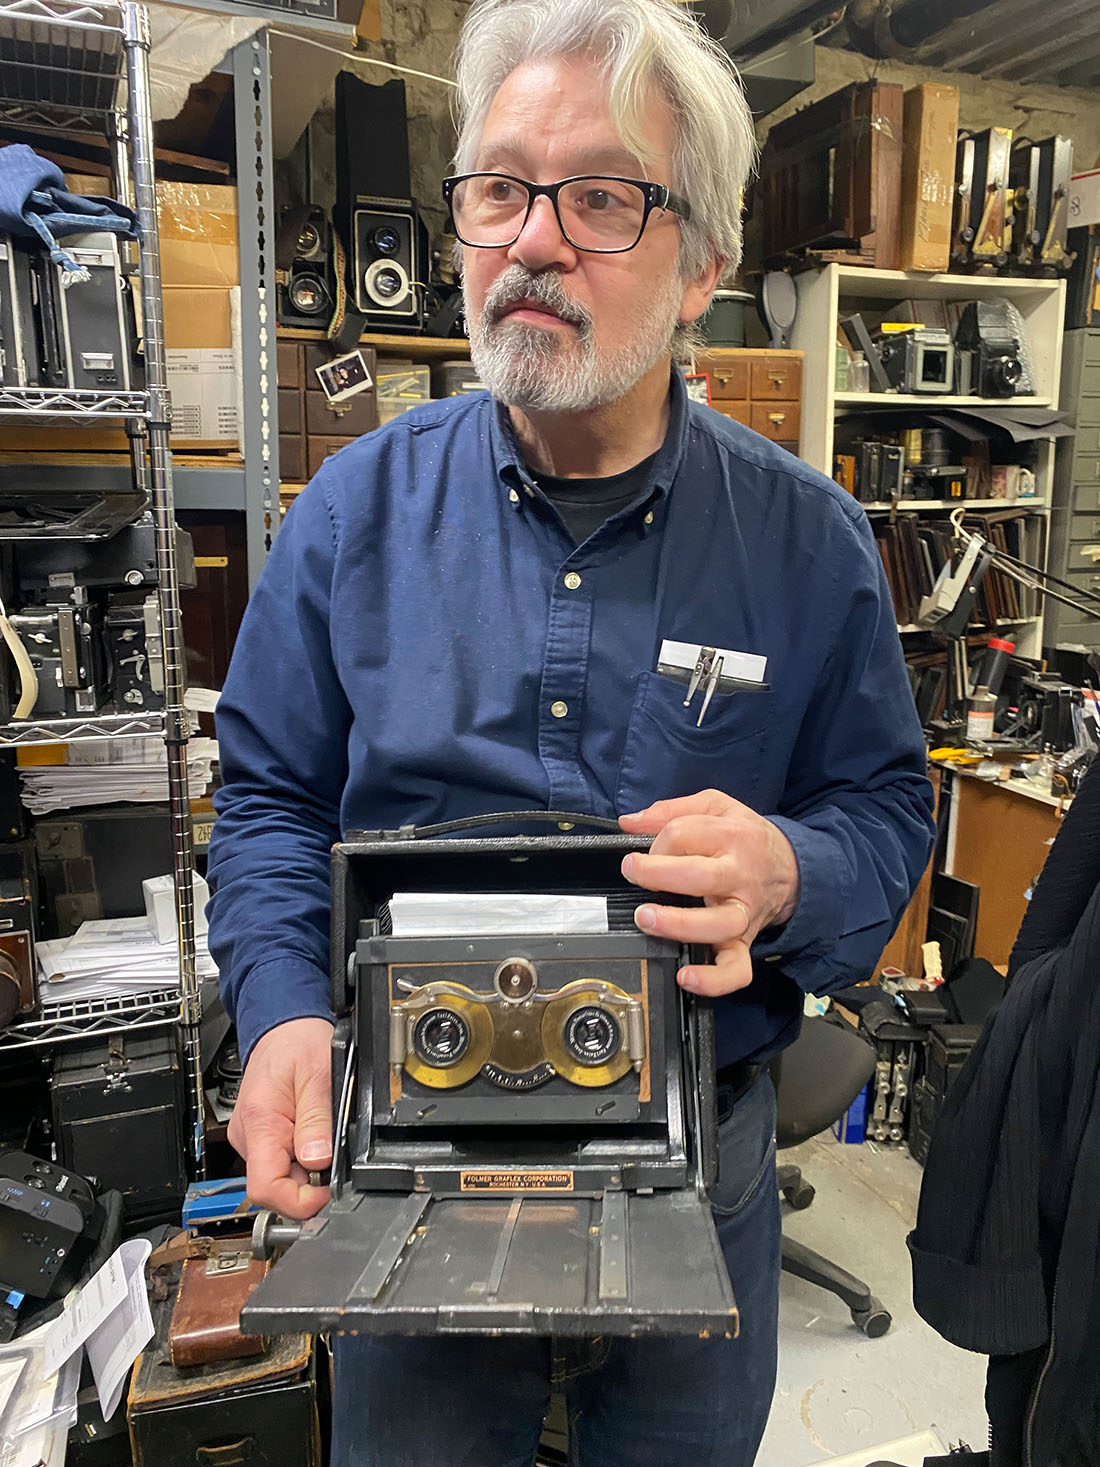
x=928, y=176
x=197, y=223
x=1084, y=199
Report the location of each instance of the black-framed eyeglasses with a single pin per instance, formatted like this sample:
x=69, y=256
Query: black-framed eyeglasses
x=603, y=215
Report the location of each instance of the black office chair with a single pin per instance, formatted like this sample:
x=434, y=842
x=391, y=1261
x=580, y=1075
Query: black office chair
x=816, y=1080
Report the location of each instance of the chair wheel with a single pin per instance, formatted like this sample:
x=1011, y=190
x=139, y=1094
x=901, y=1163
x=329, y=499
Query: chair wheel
x=799, y=1197
x=874, y=1322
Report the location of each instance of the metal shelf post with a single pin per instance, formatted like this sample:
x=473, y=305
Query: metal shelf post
x=257, y=226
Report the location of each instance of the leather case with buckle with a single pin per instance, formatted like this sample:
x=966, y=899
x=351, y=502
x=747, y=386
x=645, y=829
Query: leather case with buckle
x=206, y=1316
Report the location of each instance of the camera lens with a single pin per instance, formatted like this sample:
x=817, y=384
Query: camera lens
x=308, y=295
x=309, y=241
x=441, y=1037
x=592, y=1035
x=1004, y=373
x=386, y=240
x=387, y=284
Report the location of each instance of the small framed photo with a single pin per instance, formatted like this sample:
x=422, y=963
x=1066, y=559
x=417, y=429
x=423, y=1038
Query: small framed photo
x=698, y=386
x=344, y=376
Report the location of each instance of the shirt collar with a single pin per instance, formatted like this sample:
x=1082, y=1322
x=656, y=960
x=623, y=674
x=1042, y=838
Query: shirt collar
x=516, y=476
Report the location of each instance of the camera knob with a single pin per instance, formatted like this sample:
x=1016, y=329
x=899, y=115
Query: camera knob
x=271, y=1234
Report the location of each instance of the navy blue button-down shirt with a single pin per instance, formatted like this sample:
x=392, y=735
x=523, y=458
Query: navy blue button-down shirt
x=428, y=642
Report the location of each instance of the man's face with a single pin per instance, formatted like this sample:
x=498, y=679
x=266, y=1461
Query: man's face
x=553, y=328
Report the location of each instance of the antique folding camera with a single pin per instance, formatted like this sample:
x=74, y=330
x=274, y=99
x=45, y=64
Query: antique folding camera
x=921, y=360
x=18, y=341
x=135, y=649
x=86, y=333
x=989, y=332
x=64, y=641
x=525, y=1124
x=1039, y=179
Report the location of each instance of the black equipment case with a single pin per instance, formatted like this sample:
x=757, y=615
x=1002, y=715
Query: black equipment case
x=117, y=1116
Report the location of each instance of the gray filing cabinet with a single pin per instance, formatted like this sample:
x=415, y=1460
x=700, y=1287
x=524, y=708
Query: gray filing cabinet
x=1075, y=505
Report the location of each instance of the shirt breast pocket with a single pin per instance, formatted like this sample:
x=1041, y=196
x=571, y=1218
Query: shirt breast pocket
x=666, y=755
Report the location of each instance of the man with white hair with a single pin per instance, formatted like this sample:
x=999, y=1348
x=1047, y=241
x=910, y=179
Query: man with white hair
x=463, y=615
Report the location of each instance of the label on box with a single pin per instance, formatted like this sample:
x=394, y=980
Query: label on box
x=1084, y=199
x=203, y=385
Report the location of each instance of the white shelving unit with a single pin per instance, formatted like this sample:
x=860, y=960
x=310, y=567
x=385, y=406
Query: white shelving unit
x=835, y=291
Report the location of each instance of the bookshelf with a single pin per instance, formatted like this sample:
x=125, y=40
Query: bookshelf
x=834, y=291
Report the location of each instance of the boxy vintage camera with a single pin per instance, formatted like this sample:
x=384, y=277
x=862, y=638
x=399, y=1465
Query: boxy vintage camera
x=307, y=297
x=989, y=336
x=525, y=1123
x=389, y=263
x=921, y=360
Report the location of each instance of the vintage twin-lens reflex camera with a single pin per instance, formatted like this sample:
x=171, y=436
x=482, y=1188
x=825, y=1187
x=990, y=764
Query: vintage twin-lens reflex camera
x=525, y=1120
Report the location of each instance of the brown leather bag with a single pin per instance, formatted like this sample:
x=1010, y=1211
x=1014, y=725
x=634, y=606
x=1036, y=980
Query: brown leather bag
x=205, y=1317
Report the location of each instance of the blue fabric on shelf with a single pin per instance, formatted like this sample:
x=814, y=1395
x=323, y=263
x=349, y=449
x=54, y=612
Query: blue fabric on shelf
x=35, y=204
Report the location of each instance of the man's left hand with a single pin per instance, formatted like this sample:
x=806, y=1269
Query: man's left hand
x=709, y=845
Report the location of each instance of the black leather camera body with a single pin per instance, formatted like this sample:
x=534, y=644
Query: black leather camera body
x=988, y=333
x=525, y=1123
x=306, y=292
x=389, y=263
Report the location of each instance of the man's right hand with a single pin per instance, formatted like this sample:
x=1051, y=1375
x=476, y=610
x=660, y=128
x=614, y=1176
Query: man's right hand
x=282, y=1122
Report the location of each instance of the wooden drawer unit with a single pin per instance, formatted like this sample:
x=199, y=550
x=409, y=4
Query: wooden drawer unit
x=779, y=421
x=777, y=377
x=729, y=376
x=761, y=389
x=310, y=427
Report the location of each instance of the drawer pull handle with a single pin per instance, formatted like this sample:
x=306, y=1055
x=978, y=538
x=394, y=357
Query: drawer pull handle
x=229, y=1455
x=777, y=418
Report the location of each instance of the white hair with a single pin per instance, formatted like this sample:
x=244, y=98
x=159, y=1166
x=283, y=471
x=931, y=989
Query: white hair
x=642, y=44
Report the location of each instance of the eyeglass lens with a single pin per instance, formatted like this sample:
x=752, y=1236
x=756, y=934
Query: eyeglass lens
x=595, y=213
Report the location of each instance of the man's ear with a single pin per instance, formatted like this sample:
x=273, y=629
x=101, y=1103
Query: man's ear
x=698, y=291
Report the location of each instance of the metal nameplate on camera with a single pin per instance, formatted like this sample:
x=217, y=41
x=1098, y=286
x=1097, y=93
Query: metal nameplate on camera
x=516, y=1181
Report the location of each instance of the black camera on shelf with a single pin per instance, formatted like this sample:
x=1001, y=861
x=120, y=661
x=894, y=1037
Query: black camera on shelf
x=87, y=636
x=389, y=263
x=990, y=351
x=306, y=275
x=918, y=360
x=82, y=336
x=1045, y=707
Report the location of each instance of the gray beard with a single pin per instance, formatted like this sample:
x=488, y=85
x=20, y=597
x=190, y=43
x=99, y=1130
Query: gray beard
x=538, y=370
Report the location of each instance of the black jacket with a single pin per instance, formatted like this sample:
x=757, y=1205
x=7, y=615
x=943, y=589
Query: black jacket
x=1006, y=1251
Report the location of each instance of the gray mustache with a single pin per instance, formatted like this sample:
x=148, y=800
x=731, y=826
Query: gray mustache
x=518, y=284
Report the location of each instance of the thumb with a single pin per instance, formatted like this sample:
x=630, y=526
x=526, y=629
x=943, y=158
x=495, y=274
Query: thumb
x=313, y=1121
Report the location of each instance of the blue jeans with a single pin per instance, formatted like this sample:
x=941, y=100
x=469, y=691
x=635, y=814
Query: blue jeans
x=480, y=1402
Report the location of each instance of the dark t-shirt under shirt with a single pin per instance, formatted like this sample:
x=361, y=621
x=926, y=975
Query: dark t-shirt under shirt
x=584, y=504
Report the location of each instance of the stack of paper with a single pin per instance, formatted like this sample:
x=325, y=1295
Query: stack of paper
x=109, y=957
x=107, y=771
x=455, y=914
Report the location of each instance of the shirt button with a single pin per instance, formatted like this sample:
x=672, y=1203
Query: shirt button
x=649, y=518
x=513, y=496
x=572, y=580
x=559, y=709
